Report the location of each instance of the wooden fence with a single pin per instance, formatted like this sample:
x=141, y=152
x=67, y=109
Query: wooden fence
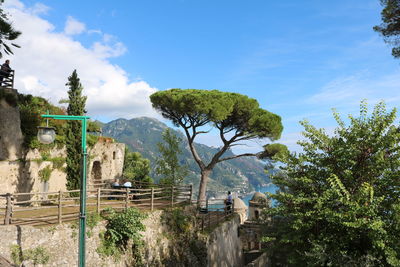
x=57, y=207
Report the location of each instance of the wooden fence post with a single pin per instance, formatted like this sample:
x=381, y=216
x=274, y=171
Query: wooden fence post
x=191, y=194
x=7, y=219
x=172, y=196
x=126, y=198
x=59, y=207
x=98, y=200
x=152, y=198
x=209, y=220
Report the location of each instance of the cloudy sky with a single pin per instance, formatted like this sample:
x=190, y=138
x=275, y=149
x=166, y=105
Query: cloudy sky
x=299, y=59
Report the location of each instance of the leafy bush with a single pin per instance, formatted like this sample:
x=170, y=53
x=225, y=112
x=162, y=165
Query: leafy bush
x=45, y=155
x=177, y=220
x=38, y=255
x=58, y=162
x=45, y=173
x=31, y=108
x=92, y=140
x=122, y=227
x=16, y=254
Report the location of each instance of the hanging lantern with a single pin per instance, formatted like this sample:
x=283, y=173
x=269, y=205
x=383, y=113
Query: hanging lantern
x=46, y=135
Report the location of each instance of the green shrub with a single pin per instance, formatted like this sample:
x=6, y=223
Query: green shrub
x=122, y=227
x=45, y=155
x=58, y=163
x=92, y=140
x=45, y=173
x=16, y=254
x=38, y=255
x=177, y=220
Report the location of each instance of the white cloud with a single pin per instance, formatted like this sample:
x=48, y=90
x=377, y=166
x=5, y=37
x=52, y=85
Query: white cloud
x=74, y=26
x=47, y=57
x=350, y=90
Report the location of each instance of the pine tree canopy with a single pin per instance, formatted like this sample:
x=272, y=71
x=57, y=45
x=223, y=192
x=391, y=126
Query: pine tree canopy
x=390, y=27
x=7, y=33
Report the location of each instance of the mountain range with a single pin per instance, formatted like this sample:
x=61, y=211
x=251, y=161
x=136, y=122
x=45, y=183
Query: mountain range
x=142, y=135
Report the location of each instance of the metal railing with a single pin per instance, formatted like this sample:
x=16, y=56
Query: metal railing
x=212, y=212
x=7, y=79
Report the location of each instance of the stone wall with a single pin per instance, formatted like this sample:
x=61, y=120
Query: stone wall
x=224, y=246
x=163, y=247
x=10, y=132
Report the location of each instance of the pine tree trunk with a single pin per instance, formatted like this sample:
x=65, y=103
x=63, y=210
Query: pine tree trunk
x=203, y=186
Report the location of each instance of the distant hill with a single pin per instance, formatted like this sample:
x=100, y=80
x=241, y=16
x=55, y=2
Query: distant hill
x=142, y=135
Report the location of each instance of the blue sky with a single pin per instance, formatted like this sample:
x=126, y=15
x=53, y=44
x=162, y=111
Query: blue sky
x=299, y=59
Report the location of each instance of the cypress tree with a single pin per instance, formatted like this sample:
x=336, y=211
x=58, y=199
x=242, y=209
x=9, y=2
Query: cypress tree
x=76, y=107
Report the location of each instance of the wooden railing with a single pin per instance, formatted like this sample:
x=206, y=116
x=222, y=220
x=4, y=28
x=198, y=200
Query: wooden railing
x=8, y=80
x=57, y=207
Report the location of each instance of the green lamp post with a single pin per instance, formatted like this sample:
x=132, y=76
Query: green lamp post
x=46, y=135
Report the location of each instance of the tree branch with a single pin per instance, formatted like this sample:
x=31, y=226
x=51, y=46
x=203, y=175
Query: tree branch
x=238, y=156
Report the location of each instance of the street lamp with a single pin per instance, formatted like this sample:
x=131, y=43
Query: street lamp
x=46, y=135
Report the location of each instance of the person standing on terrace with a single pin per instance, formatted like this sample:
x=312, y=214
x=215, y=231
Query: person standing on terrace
x=5, y=70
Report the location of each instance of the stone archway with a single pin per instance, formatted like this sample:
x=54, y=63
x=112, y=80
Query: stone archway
x=96, y=172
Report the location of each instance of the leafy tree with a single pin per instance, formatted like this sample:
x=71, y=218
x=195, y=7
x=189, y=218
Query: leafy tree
x=236, y=117
x=339, y=200
x=7, y=32
x=168, y=164
x=136, y=168
x=76, y=107
x=31, y=108
x=390, y=27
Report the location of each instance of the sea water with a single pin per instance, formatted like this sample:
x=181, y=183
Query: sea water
x=271, y=188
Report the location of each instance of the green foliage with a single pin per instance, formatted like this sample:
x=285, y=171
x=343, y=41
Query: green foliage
x=93, y=127
x=177, y=221
x=390, y=27
x=58, y=163
x=229, y=111
x=38, y=255
x=338, y=203
x=7, y=33
x=168, y=165
x=92, y=140
x=123, y=227
x=16, y=254
x=31, y=108
x=45, y=173
x=136, y=168
x=275, y=152
x=76, y=107
x=92, y=220
x=45, y=155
